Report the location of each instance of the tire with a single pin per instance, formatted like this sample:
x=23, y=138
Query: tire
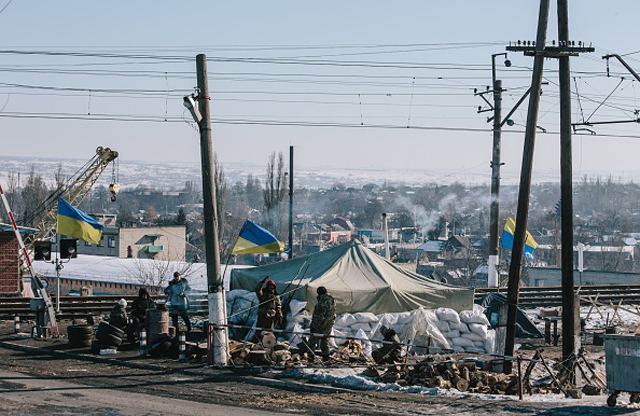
x=107, y=328
x=96, y=346
x=81, y=343
x=79, y=330
x=612, y=399
x=109, y=339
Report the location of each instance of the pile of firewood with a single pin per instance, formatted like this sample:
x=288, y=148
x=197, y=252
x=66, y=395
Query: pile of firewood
x=460, y=375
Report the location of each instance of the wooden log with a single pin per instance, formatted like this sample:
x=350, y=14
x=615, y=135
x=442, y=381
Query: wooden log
x=460, y=383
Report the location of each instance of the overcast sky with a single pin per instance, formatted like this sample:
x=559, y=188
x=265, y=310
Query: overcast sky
x=439, y=50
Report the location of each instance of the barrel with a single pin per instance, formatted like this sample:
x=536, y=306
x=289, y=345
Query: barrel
x=157, y=323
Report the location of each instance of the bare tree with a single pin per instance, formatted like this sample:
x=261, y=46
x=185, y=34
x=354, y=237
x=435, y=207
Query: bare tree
x=34, y=194
x=275, y=191
x=155, y=274
x=221, y=195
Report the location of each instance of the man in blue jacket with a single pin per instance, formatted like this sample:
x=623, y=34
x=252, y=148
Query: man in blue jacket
x=177, y=299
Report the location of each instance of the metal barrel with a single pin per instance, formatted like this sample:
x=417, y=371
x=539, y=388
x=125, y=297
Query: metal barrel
x=157, y=323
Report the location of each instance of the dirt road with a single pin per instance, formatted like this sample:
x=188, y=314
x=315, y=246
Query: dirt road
x=22, y=394
x=199, y=388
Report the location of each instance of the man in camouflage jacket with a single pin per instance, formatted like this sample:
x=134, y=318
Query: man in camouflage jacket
x=270, y=309
x=324, y=316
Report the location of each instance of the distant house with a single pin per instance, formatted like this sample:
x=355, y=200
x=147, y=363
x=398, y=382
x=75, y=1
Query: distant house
x=153, y=242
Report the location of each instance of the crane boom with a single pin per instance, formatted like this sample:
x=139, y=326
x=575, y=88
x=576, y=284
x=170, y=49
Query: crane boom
x=74, y=190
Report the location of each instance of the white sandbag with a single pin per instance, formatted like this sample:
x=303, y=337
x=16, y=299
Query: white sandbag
x=452, y=334
x=361, y=327
x=388, y=319
x=365, y=317
x=448, y=314
x=474, y=337
x=474, y=349
x=479, y=329
x=490, y=342
x=365, y=342
x=462, y=327
x=403, y=318
x=456, y=348
x=472, y=317
x=296, y=338
x=444, y=326
x=462, y=342
x=339, y=337
x=479, y=344
x=345, y=320
x=296, y=306
x=421, y=325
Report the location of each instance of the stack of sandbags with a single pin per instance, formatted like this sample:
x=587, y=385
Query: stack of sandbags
x=349, y=324
x=467, y=332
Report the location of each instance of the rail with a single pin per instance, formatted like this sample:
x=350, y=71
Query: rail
x=530, y=297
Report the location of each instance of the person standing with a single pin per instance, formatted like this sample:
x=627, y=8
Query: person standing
x=324, y=316
x=139, y=309
x=269, y=309
x=177, y=299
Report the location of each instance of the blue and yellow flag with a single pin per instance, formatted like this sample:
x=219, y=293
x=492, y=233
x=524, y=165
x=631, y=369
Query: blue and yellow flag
x=74, y=223
x=254, y=239
x=506, y=240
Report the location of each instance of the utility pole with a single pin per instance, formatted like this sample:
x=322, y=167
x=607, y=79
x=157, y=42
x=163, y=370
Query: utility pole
x=492, y=276
x=215, y=291
x=540, y=51
x=290, y=202
x=569, y=345
x=525, y=184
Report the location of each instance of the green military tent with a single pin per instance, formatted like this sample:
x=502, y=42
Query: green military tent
x=358, y=279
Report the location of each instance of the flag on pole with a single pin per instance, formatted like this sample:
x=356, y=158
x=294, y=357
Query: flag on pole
x=506, y=240
x=254, y=239
x=74, y=223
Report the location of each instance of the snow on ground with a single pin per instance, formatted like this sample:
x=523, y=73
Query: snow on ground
x=627, y=318
x=126, y=270
x=352, y=378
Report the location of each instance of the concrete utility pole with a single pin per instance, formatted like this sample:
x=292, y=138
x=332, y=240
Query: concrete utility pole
x=214, y=281
x=494, y=227
x=525, y=183
x=290, y=202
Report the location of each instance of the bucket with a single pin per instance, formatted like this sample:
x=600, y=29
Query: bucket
x=157, y=323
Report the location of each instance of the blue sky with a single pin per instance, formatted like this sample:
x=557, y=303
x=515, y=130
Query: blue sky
x=452, y=41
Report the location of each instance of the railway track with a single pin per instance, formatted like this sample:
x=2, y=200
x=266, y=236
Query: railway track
x=530, y=297
x=81, y=306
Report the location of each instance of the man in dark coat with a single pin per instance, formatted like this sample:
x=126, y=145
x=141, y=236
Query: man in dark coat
x=391, y=350
x=270, y=309
x=324, y=316
x=139, y=309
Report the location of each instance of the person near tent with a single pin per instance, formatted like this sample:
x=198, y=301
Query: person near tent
x=139, y=309
x=324, y=316
x=269, y=308
x=118, y=315
x=177, y=299
x=391, y=350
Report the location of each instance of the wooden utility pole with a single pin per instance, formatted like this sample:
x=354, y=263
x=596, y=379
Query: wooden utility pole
x=563, y=51
x=569, y=345
x=290, y=202
x=214, y=280
x=525, y=183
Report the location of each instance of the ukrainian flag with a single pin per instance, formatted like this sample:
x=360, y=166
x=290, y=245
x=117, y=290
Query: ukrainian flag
x=254, y=239
x=506, y=240
x=74, y=223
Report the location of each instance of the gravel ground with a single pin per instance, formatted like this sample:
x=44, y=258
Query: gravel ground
x=194, y=383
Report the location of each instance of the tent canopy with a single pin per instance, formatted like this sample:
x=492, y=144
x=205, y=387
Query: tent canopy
x=358, y=279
